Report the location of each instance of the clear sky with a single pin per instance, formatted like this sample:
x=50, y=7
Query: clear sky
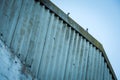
x=102, y=18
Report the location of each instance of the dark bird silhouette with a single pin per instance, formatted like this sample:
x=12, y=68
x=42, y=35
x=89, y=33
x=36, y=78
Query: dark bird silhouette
x=68, y=14
x=87, y=29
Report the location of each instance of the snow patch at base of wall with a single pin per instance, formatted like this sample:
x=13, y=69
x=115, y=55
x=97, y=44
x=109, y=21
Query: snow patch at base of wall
x=10, y=66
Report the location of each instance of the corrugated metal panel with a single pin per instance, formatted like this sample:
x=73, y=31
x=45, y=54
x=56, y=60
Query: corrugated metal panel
x=48, y=45
x=9, y=13
x=102, y=69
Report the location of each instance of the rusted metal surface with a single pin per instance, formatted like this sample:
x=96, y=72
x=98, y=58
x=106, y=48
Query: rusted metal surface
x=50, y=44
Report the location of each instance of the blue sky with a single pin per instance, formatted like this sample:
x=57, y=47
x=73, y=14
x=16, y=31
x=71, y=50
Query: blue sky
x=102, y=18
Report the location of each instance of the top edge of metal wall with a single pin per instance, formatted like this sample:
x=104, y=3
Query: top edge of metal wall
x=53, y=8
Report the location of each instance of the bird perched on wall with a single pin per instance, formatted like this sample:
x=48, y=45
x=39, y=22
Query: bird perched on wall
x=68, y=14
x=86, y=29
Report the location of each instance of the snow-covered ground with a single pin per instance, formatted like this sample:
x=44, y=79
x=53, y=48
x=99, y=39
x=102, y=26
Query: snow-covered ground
x=10, y=65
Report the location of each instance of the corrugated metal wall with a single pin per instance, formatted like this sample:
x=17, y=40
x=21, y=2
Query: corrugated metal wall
x=49, y=47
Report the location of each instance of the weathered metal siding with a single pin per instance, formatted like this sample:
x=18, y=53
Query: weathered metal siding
x=49, y=47
x=9, y=13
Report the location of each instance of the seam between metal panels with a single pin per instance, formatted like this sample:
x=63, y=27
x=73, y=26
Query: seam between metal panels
x=87, y=62
x=16, y=23
x=79, y=29
x=67, y=54
x=43, y=46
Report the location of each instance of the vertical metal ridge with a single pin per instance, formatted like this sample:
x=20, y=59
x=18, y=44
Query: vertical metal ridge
x=71, y=55
x=77, y=56
x=27, y=32
x=67, y=69
x=73, y=62
x=99, y=71
x=13, y=41
x=92, y=63
x=96, y=64
x=58, y=44
x=14, y=16
x=108, y=74
x=89, y=63
x=8, y=17
x=15, y=44
x=60, y=61
x=102, y=71
x=40, y=73
x=76, y=60
x=67, y=50
x=40, y=39
x=31, y=37
x=105, y=71
x=45, y=26
x=24, y=30
x=103, y=68
x=85, y=57
x=55, y=49
x=50, y=41
x=80, y=57
x=101, y=64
